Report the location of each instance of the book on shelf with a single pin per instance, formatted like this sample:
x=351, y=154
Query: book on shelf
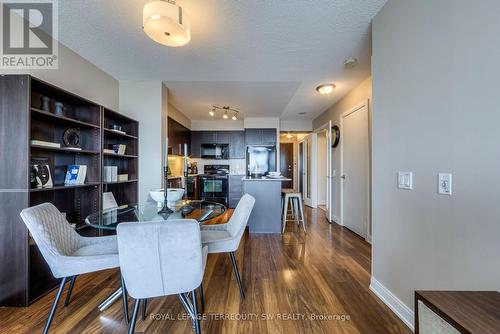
x=119, y=148
x=110, y=173
x=75, y=175
x=108, y=151
x=45, y=143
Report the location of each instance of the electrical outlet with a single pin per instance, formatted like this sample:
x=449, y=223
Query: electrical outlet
x=405, y=180
x=444, y=183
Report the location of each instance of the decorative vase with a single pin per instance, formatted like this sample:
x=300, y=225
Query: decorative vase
x=59, y=108
x=45, y=103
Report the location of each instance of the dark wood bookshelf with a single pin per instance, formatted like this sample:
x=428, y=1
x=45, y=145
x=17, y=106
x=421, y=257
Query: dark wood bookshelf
x=125, y=192
x=24, y=273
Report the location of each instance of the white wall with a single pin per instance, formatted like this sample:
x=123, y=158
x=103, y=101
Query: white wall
x=296, y=125
x=146, y=102
x=178, y=116
x=218, y=125
x=436, y=109
x=77, y=75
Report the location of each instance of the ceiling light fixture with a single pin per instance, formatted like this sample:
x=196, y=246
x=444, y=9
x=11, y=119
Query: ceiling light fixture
x=166, y=23
x=227, y=110
x=289, y=135
x=325, y=88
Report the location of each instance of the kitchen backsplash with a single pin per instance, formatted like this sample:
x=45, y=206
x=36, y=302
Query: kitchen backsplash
x=237, y=166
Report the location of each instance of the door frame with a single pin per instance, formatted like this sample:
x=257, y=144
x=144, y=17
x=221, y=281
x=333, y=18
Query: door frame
x=364, y=104
x=329, y=168
x=312, y=201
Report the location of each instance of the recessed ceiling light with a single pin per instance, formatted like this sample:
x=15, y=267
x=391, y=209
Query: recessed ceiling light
x=351, y=62
x=325, y=88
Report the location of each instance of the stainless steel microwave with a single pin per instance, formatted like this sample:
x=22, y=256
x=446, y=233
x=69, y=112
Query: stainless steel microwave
x=215, y=151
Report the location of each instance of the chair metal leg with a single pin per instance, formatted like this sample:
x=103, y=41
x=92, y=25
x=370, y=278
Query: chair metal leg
x=202, y=298
x=144, y=306
x=197, y=325
x=285, y=213
x=54, y=305
x=237, y=273
x=131, y=327
x=124, y=300
x=70, y=290
x=301, y=208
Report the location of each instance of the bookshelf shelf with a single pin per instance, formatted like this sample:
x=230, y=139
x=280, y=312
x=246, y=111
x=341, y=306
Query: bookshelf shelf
x=63, y=119
x=112, y=133
x=120, y=182
x=63, y=150
x=63, y=187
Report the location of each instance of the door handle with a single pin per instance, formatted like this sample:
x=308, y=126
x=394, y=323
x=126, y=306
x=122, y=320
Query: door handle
x=343, y=177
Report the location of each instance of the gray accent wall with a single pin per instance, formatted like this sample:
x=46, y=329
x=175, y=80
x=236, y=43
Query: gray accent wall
x=436, y=108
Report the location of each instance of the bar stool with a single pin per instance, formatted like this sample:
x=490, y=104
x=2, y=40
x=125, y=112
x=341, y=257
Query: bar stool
x=293, y=199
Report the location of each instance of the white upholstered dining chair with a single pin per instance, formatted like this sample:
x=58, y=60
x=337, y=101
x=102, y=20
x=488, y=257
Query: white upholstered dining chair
x=162, y=258
x=66, y=252
x=225, y=238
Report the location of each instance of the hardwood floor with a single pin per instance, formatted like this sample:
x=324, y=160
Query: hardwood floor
x=295, y=283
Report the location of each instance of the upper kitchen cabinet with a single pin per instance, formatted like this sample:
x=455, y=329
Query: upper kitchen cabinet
x=235, y=139
x=223, y=137
x=260, y=136
x=178, y=135
x=237, y=145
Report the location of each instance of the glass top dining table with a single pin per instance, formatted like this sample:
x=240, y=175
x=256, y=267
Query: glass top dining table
x=200, y=210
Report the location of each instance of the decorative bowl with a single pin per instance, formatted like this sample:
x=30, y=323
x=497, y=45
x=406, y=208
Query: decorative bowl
x=275, y=174
x=173, y=195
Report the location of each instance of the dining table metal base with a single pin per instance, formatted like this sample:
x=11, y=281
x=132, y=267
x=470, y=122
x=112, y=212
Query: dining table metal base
x=110, y=300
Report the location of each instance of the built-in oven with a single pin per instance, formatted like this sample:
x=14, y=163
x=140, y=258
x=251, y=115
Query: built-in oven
x=215, y=151
x=214, y=183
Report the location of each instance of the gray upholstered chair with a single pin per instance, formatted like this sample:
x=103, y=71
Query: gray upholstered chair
x=225, y=238
x=160, y=259
x=67, y=253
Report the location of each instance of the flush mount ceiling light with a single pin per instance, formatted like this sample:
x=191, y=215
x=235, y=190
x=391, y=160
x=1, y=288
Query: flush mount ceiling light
x=226, y=112
x=289, y=135
x=165, y=23
x=325, y=88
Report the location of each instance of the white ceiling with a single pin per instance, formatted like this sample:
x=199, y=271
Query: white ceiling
x=265, y=57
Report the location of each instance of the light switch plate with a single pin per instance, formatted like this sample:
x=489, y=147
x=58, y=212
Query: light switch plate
x=405, y=180
x=444, y=183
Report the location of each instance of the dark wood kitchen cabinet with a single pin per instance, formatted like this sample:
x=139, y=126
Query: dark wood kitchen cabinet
x=237, y=147
x=260, y=136
x=178, y=135
x=235, y=139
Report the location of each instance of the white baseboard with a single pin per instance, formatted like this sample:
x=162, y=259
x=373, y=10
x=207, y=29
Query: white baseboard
x=394, y=303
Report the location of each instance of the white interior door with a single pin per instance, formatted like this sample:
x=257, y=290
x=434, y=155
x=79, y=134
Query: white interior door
x=355, y=170
x=329, y=173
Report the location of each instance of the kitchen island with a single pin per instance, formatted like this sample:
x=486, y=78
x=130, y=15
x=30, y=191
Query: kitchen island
x=266, y=214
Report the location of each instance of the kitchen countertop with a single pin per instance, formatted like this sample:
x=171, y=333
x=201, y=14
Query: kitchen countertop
x=264, y=178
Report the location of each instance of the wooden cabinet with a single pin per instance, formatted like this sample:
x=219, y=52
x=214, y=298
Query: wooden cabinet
x=223, y=137
x=237, y=147
x=260, y=136
x=235, y=139
x=178, y=136
x=235, y=190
